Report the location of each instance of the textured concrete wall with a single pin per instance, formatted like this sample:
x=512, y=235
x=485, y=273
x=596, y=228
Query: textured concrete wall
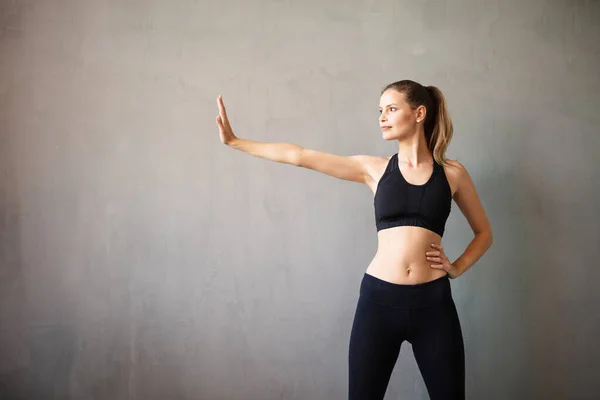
x=141, y=259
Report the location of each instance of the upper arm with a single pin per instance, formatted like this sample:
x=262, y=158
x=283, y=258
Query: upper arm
x=350, y=168
x=468, y=201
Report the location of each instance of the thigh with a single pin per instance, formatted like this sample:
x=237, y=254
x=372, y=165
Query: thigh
x=374, y=348
x=437, y=340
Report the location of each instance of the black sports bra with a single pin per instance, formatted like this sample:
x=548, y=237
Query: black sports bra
x=399, y=203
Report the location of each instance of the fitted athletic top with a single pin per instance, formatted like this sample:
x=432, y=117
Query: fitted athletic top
x=399, y=203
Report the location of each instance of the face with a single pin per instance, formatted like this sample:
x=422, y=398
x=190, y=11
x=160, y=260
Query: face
x=397, y=119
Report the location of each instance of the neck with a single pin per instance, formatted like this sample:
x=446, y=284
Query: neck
x=414, y=150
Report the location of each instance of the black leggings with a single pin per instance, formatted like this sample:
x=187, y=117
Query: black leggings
x=423, y=314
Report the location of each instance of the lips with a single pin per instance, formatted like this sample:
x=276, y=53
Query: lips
x=386, y=127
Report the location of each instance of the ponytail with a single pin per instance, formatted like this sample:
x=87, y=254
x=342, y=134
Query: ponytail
x=440, y=125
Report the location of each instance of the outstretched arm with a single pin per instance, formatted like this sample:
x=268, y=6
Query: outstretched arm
x=351, y=168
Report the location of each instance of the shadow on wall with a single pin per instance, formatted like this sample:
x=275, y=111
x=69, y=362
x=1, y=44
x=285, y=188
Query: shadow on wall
x=526, y=335
x=556, y=198
x=36, y=359
x=14, y=350
x=495, y=302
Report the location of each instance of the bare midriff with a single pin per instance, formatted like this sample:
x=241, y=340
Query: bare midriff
x=401, y=257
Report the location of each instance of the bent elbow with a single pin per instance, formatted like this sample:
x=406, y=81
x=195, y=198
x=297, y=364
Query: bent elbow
x=490, y=238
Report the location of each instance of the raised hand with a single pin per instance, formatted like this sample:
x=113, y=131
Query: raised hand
x=225, y=131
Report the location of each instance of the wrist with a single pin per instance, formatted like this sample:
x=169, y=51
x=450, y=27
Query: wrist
x=234, y=142
x=453, y=273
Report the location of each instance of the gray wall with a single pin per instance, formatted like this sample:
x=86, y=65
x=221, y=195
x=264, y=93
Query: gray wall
x=141, y=259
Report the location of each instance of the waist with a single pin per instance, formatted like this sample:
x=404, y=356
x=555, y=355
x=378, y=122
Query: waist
x=401, y=256
x=406, y=296
x=406, y=245
x=403, y=272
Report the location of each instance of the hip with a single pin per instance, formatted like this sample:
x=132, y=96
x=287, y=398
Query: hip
x=406, y=296
x=407, y=271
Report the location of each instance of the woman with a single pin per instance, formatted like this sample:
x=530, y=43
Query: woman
x=405, y=292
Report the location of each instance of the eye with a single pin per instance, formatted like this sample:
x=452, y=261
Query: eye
x=393, y=108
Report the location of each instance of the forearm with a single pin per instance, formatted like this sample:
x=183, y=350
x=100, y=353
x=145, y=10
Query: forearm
x=478, y=246
x=288, y=153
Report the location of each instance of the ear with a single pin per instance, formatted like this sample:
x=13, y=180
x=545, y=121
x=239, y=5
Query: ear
x=420, y=113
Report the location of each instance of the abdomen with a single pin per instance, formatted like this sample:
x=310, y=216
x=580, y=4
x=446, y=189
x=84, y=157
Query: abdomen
x=401, y=255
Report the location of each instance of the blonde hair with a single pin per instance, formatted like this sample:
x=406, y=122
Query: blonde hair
x=438, y=125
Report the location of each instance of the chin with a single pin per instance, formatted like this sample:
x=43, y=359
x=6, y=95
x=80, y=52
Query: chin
x=388, y=136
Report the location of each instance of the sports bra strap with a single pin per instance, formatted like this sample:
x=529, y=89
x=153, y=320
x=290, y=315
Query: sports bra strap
x=393, y=164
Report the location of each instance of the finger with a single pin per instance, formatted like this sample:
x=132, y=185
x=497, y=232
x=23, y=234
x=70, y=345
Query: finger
x=222, y=109
x=436, y=259
x=433, y=253
x=224, y=119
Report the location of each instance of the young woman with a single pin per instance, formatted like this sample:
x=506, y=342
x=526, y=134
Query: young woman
x=405, y=291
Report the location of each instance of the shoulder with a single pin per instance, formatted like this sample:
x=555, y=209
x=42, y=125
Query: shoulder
x=372, y=163
x=374, y=167
x=456, y=173
x=368, y=160
x=454, y=167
